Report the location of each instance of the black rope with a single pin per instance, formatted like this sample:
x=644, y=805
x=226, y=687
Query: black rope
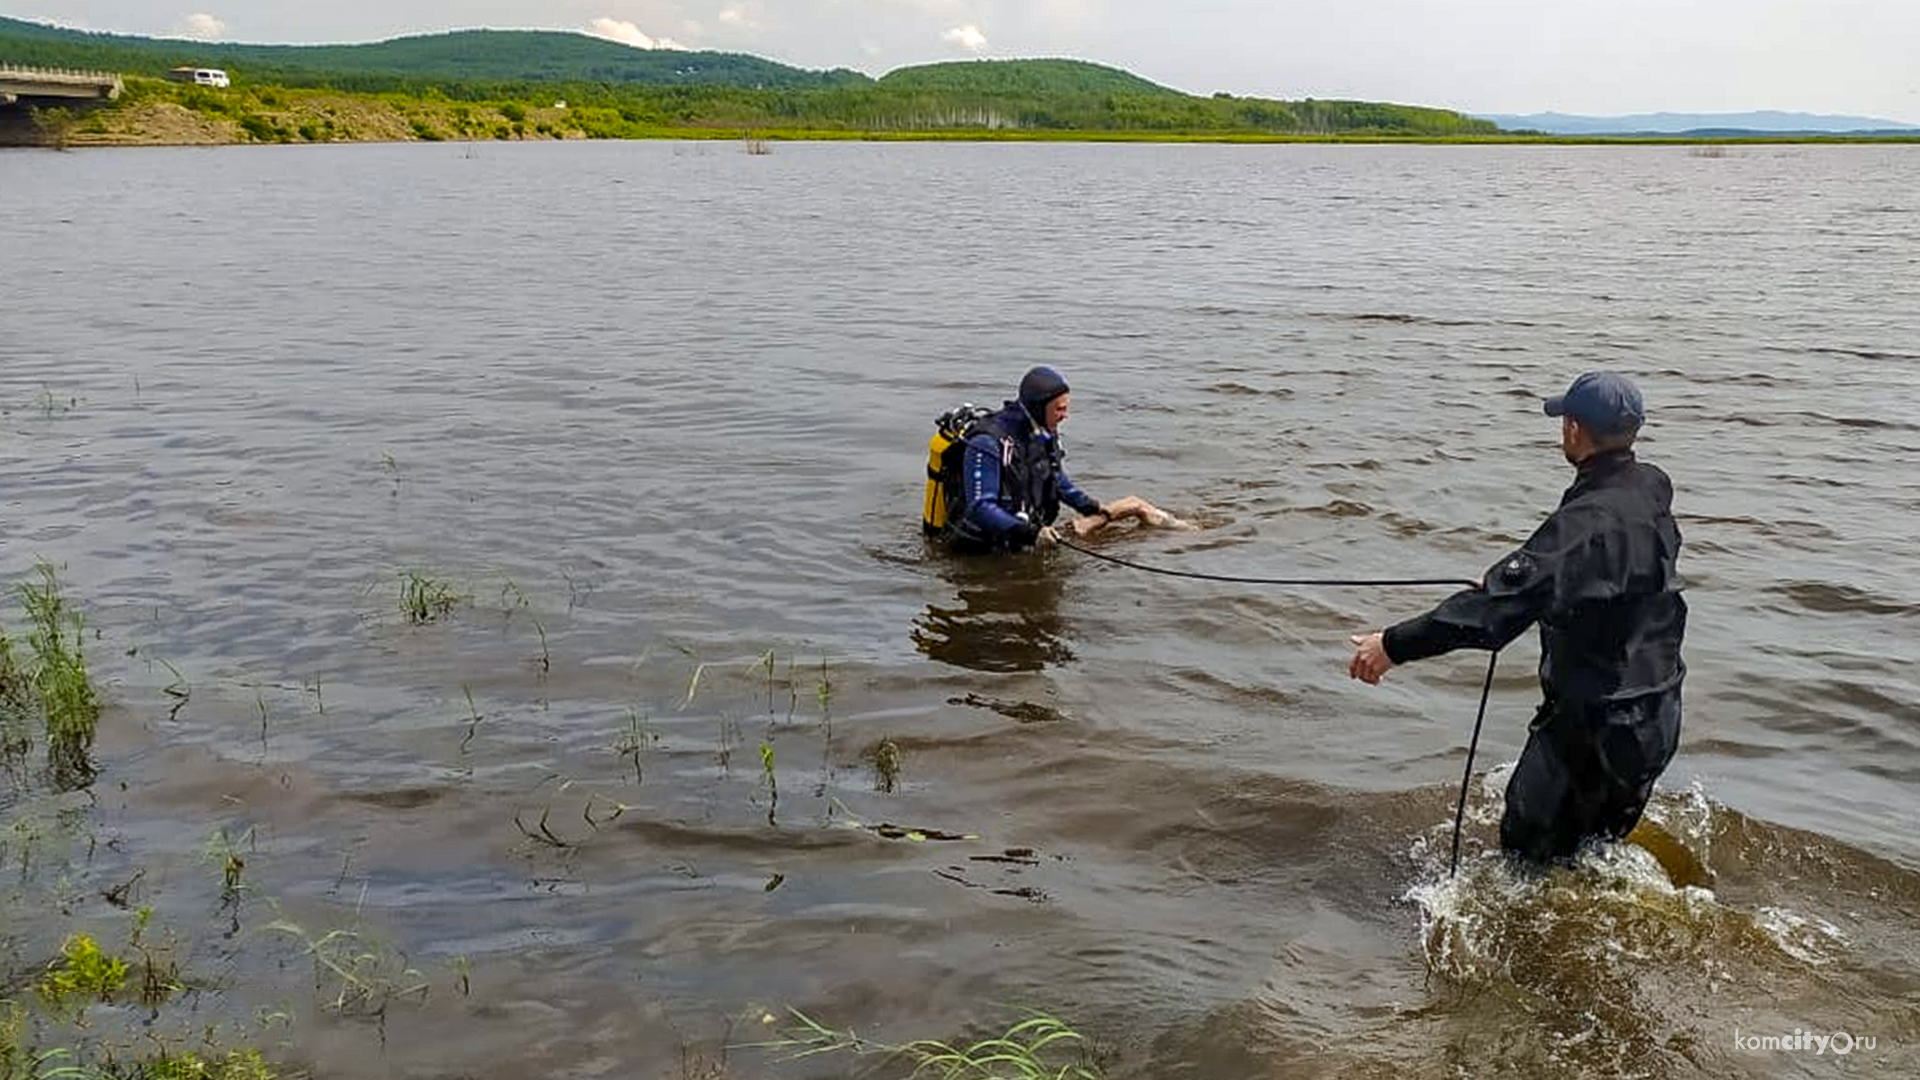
x=1486, y=690
x=1329, y=582
x=1460, y=811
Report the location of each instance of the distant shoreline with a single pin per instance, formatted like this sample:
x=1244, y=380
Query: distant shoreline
x=769, y=139
x=765, y=140
x=156, y=113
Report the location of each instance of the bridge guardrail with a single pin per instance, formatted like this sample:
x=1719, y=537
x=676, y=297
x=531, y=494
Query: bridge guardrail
x=67, y=73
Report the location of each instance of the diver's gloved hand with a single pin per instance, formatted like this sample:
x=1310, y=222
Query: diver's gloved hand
x=1024, y=535
x=1048, y=536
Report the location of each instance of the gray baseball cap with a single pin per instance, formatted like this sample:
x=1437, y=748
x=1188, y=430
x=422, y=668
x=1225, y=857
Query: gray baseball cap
x=1603, y=402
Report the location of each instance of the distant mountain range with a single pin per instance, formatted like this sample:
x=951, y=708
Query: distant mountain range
x=1666, y=123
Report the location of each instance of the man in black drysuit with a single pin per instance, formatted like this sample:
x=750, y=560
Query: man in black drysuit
x=1599, y=577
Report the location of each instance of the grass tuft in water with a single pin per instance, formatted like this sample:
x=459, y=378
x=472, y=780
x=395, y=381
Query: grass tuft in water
x=15, y=1059
x=512, y=598
x=887, y=763
x=16, y=707
x=59, y=677
x=766, y=662
x=1040, y=1047
x=632, y=741
x=426, y=599
x=83, y=974
x=693, y=684
x=474, y=718
x=224, y=852
x=545, y=659
x=391, y=465
x=364, y=978
x=187, y=1065
x=180, y=690
x=771, y=782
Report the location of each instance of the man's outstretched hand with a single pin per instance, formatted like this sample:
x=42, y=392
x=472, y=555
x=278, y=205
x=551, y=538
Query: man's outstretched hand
x=1370, y=659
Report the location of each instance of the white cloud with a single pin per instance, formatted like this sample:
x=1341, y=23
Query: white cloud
x=739, y=17
x=204, y=27
x=627, y=33
x=967, y=37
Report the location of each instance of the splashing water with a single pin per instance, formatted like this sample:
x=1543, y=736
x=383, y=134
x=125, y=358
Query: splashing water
x=1807, y=938
x=1591, y=964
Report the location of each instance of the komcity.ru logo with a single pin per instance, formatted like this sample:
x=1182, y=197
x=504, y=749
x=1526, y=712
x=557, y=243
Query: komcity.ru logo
x=1839, y=1043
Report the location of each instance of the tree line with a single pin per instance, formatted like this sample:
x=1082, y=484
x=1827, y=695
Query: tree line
x=624, y=91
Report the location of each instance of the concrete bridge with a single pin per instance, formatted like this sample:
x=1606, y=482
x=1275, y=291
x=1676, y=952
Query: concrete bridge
x=52, y=85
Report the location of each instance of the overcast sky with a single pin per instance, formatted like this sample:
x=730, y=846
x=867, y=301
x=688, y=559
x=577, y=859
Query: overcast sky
x=1584, y=56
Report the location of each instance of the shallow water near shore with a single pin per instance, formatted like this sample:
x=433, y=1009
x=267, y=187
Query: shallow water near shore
x=710, y=732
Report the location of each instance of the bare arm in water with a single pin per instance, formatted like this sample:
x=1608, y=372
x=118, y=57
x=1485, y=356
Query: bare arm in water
x=1132, y=507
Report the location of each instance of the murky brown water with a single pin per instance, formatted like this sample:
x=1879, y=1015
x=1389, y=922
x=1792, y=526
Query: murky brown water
x=660, y=410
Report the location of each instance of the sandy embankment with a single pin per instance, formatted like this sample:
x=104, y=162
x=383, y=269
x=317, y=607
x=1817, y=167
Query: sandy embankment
x=310, y=117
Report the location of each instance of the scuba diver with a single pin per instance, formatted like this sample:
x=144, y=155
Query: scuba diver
x=995, y=480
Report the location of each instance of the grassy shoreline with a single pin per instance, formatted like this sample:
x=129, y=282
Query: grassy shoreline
x=157, y=113
x=802, y=135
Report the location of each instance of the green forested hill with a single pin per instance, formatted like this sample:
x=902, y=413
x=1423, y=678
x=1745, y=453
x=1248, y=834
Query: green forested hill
x=1020, y=77
x=620, y=91
x=463, y=56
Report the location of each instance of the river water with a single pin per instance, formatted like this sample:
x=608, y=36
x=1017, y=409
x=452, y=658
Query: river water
x=687, y=748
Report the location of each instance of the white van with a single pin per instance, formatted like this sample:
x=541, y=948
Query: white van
x=200, y=77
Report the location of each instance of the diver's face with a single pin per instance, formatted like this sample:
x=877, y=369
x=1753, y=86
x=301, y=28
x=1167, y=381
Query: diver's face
x=1056, y=412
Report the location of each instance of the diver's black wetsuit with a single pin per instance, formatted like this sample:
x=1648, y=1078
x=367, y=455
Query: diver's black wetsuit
x=1015, y=479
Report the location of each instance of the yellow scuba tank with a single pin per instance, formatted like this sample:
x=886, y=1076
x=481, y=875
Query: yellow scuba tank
x=945, y=453
x=933, y=516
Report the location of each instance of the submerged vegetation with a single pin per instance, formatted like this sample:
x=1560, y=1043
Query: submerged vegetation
x=887, y=763
x=358, y=977
x=47, y=684
x=89, y=1011
x=425, y=598
x=1040, y=1047
x=17, y=706
x=82, y=974
x=87, y=974
x=106, y=1007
